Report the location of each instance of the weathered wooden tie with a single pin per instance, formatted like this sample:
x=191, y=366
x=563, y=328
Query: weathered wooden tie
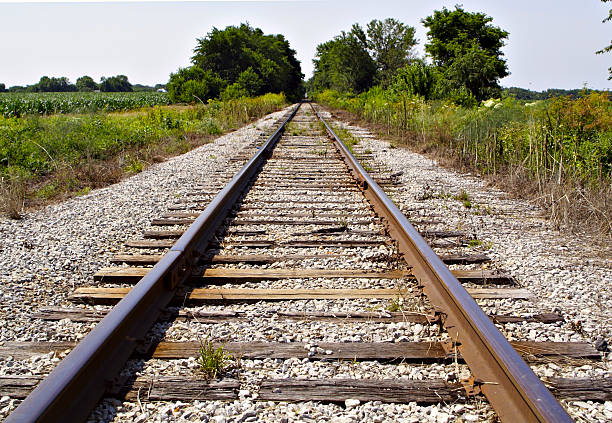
x=134, y=274
x=223, y=316
x=109, y=296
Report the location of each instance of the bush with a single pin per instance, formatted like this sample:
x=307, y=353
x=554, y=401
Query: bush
x=192, y=84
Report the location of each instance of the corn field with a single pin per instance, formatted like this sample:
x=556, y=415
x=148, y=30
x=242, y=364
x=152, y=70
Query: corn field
x=21, y=104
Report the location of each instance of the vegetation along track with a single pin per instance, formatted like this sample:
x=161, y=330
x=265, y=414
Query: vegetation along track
x=306, y=274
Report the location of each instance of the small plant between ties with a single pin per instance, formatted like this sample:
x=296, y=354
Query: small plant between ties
x=464, y=198
x=395, y=304
x=213, y=361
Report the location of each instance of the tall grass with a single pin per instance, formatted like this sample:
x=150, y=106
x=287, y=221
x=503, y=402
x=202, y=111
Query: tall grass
x=52, y=155
x=557, y=151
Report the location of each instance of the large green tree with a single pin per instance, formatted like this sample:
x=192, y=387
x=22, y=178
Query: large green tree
x=356, y=60
x=343, y=64
x=390, y=43
x=243, y=55
x=86, y=83
x=118, y=83
x=47, y=84
x=194, y=83
x=467, y=49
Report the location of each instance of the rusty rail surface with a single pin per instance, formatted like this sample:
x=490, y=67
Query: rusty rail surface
x=511, y=387
x=75, y=386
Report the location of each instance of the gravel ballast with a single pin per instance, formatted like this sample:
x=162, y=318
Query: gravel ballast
x=44, y=257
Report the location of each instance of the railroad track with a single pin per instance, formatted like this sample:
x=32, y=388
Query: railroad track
x=296, y=233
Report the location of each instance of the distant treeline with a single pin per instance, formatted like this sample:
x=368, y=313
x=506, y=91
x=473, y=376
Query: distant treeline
x=525, y=94
x=118, y=83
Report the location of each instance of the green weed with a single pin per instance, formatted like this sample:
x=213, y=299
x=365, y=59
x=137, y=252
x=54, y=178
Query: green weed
x=395, y=304
x=88, y=145
x=472, y=243
x=213, y=361
x=83, y=191
x=133, y=165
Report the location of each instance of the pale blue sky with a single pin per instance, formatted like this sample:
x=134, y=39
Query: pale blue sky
x=551, y=43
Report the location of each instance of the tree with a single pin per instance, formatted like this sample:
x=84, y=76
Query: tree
x=243, y=55
x=343, y=64
x=390, y=43
x=86, y=83
x=456, y=37
x=419, y=78
x=250, y=81
x=193, y=84
x=117, y=83
x=609, y=47
x=52, y=84
x=2, y=88
x=354, y=61
x=233, y=91
x=474, y=71
x=18, y=89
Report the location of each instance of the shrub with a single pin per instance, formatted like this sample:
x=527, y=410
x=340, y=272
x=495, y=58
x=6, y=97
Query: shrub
x=193, y=83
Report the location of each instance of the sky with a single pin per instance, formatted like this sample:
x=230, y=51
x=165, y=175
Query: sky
x=552, y=43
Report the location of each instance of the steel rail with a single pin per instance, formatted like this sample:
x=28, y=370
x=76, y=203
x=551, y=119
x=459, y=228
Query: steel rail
x=75, y=386
x=509, y=384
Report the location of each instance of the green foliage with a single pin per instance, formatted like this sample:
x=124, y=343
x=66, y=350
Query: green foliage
x=464, y=198
x=473, y=73
x=472, y=243
x=83, y=191
x=241, y=55
x=390, y=43
x=233, y=91
x=557, y=141
x=250, y=81
x=86, y=84
x=40, y=145
x=354, y=61
x=467, y=49
x=395, y=304
x=213, y=361
x=117, y=83
x=133, y=165
x=193, y=84
x=20, y=104
x=48, y=85
x=524, y=94
x=343, y=64
x=2, y=88
x=348, y=139
x=417, y=79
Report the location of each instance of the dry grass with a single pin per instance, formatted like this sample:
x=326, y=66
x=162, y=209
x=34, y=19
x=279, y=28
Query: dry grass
x=12, y=196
